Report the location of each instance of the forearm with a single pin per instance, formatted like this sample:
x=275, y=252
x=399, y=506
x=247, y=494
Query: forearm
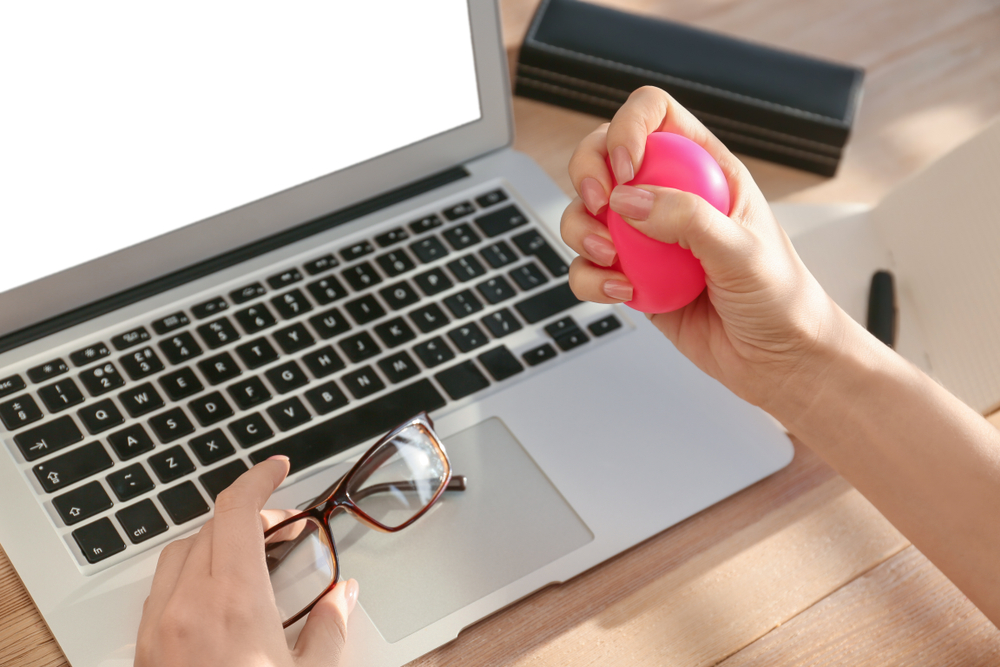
x=928, y=462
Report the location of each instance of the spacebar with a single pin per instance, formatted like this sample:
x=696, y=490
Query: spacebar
x=362, y=423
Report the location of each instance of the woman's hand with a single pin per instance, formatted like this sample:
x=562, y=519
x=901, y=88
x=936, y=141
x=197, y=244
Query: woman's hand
x=211, y=602
x=762, y=319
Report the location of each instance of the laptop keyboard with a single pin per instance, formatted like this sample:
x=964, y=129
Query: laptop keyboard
x=132, y=437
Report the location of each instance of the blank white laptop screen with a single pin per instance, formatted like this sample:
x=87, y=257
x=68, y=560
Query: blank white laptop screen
x=146, y=130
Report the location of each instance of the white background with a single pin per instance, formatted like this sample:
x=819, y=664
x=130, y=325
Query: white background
x=123, y=120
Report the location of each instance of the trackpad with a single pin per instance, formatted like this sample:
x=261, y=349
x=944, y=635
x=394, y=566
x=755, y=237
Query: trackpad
x=508, y=523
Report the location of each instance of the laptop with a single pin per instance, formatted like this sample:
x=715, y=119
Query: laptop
x=231, y=233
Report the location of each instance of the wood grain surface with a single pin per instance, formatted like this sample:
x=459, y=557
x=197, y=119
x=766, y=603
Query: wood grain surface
x=798, y=569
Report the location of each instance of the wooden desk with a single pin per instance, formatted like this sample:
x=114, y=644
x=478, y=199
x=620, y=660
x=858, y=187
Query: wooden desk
x=798, y=569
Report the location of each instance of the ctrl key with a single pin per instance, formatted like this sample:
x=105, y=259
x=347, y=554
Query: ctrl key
x=141, y=521
x=98, y=540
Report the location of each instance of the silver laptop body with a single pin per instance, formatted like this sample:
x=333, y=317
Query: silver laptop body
x=426, y=273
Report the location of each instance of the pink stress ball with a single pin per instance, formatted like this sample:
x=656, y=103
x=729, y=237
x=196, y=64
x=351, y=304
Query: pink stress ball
x=665, y=276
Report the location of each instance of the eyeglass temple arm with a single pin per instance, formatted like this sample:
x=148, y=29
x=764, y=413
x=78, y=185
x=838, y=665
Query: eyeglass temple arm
x=278, y=554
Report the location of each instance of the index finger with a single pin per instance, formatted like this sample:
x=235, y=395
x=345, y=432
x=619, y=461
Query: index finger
x=238, y=540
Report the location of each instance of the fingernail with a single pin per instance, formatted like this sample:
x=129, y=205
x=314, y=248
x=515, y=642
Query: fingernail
x=631, y=202
x=621, y=164
x=351, y=593
x=277, y=457
x=592, y=193
x=618, y=289
x=601, y=250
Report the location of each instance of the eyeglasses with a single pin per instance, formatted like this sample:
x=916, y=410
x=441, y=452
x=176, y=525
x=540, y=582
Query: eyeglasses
x=392, y=485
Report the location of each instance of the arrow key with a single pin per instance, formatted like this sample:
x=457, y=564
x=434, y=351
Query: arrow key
x=81, y=504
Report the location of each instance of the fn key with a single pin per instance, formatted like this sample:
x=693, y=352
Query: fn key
x=98, y=540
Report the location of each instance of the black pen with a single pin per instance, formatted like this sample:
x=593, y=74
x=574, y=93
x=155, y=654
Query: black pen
x=882, y=308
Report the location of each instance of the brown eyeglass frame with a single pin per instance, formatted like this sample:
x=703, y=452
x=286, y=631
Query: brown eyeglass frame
x=336, y=498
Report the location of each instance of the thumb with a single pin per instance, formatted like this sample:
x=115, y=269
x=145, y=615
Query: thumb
x=324, y=635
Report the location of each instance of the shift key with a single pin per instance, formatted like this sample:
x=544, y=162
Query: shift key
x=546, y=304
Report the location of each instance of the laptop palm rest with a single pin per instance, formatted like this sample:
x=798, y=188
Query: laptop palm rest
x=509, y=522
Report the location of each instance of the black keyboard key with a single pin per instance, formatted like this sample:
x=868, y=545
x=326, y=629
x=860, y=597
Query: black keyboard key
x=289, y=413
x=141, y=521
x=429, y=249
x=459, y=210
x=399, y=367
x=498, y=222
x=429, y=317
x=466, y=268
x=210, y=409
x=180, y=348
x=462, y=304
x=171, y=322
x=468, y=337
x=183, y=502
x=170, y=425
x=321, y=264
x=532, y=243
x=434, y=352
x=71, y=467
x=395, y=332
x=363, y=382
x=181, y=384
x=294, y=338
x=209, y=308
x=99, y=540
x=211, y=447
x=604, y=325
x=10, y=385
x=287, y=377
x=130, y=338
x=330, y=323
x=399, y=295
x=220, y=368
x=528, y=276
x=365, y=309
x=291, y=304
x=141, y=400
x=539, y=354
x=284, y=279
x=361, y=276
x=82, y=503
x=141, y=363
x=391, y=237
x=359, y=347
x=19, y=412
x=100, y=416
x=496, y=289
x=101, y=379
x=323, y=362
x=250, y=430
x=461, y=236
x=500, y=363
x=48, y=438
x=60, y=395
x=395, y=262
x=131, y=442
x=501, y=323
x=462, y=380
x=327, y=290
x=326, y=398
x=171, y=464
x=248, y=293
x=491, y=198
x=548, y=303
x=499, y=254
x=130, y=482
x=359, y=249
x=248, y=393
x=218, y=333
x=571, y=339
x=90, y=354
x=425, y=224
x=354, y=426
x=561, y=326
x=255, y=318
x=218, y=480
x=257, y=353
x=433, y=281
x=48, y=370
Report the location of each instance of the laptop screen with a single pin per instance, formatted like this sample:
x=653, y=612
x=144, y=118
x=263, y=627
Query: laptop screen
x=126, y=120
